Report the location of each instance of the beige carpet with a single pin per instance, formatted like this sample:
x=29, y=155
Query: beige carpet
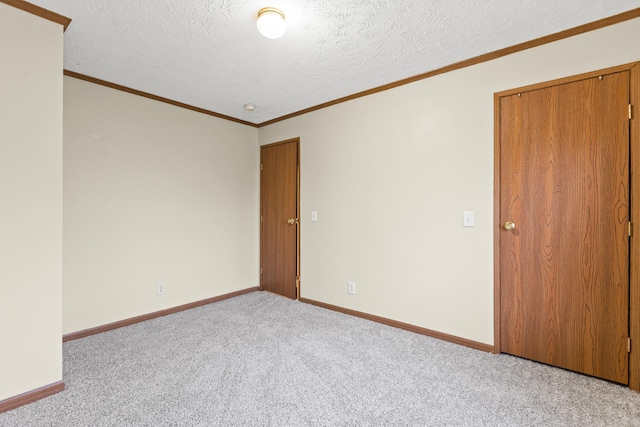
x=263, y=360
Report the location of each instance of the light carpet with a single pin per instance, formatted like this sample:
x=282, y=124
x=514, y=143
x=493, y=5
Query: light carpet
x=263, y=360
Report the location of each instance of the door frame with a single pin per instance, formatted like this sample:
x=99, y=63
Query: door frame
x=634, y=243
x=298, y=225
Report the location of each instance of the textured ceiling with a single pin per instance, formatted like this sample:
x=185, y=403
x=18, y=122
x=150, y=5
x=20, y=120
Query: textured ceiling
x=209, y=54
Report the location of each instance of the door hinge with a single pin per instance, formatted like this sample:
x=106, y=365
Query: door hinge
x=630, y=110
x=260, y=218
x=261, y=166
x=630, y=229
x=260, y=270
x=629, y=345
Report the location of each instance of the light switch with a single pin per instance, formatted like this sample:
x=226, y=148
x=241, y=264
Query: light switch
x=314, y=216
x=468, y=219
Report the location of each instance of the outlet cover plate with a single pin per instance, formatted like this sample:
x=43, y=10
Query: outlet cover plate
x=468, y=219
x=352, y=288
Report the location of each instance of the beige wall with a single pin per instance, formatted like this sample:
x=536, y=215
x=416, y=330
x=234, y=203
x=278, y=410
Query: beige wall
x=390, y=175
x=153, y=193
x=30, y=202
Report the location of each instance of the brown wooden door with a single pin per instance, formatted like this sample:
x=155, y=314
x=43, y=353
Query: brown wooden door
x=279, y=218
x=564, y=183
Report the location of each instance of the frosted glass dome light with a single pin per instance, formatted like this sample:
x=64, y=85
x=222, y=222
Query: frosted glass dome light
x=271, y=23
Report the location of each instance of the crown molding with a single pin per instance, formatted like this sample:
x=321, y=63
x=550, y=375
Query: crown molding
x=39, y=11
x=154, y=97
x=612, y=20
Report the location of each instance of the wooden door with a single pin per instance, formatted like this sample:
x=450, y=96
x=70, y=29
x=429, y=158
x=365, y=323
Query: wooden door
x=564, y=267
x=279, y=226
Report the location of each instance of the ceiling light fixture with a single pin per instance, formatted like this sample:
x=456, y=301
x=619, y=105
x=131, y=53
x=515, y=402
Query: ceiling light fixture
x=249, y=107
x=271, y=23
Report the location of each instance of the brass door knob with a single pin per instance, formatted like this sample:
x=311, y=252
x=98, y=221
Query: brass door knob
x=292, y=221
x=509, y=226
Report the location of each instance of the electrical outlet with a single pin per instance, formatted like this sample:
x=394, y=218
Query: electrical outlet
x=160, y=288
x=352, y=288
x=468, y=219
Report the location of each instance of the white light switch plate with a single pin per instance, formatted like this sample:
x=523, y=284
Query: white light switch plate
x=314, y=216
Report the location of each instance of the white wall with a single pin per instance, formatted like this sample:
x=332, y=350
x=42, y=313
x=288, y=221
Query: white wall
x=153, y=193
x=390, y=175
x=30, y=202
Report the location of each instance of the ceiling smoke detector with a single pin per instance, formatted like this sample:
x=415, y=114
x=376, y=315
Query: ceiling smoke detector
x=271, y=23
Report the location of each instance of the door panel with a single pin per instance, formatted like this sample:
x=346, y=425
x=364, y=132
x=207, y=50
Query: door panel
x=564, y=182
x=279, y=204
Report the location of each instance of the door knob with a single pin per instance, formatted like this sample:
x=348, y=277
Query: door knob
x=509, y=226
x=292, y=221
